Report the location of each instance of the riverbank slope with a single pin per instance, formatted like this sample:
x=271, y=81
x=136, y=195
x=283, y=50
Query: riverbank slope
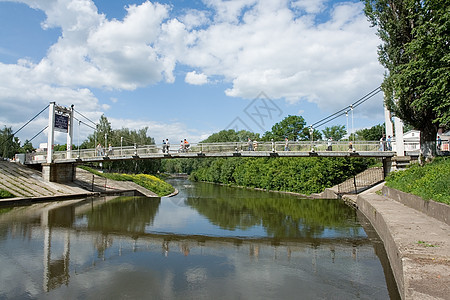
x=28, y=186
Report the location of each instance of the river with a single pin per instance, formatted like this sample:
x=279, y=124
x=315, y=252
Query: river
x=208, y=242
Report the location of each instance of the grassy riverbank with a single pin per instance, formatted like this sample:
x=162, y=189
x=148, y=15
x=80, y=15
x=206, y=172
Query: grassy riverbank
x=431, y=181
x=150, y=182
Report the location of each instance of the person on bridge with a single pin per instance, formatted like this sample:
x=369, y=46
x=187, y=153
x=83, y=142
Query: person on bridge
x=330, y=144
x=255, y=145
x=164, y=146
x=388, y=143
x=186, y=145
x=110, y=150
x=286, y=144
x=250, y=144
x=167, y=145
x=99, y=149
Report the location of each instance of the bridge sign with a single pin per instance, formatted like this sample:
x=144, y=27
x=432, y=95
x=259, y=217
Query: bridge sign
x=61, y=123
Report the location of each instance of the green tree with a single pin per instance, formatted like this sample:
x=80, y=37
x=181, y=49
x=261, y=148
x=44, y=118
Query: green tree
x=27, y=147
x=373, y=133
x=291, y=127
x=231, y=136
x=336, y=132
x=9, y=144
x=416, y=52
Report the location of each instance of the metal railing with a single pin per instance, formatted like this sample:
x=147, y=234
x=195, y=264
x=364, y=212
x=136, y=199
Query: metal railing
x=148, y=150
x=361, y=181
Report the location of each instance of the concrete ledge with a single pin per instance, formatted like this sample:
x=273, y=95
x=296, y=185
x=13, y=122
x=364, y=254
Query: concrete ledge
x=439, y=211
x=418, y=246
x=381, y=227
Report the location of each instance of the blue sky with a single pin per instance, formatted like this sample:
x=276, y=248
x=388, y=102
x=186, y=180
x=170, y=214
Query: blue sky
x=186, y=69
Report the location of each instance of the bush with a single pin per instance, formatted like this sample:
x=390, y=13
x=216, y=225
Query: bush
x=301, y=175
x=5, y=194
x=150, y=182
x=430, y=181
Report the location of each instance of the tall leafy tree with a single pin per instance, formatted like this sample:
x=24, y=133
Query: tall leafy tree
x=416, y=52
x=9, y=144
x=231, y=136
x=290, y=127
x=336, y=132
x=373, y=133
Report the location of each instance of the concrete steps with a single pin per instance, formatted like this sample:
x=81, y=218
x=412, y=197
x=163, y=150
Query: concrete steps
x=25, y=182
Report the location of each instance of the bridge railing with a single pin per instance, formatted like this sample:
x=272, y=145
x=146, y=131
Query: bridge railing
x=145, y=150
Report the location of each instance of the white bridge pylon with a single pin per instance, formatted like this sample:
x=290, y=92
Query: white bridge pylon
x=60, y=118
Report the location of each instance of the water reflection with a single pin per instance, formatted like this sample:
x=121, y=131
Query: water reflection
x=113, y=247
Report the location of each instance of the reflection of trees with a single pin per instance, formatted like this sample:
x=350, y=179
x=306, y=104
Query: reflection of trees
x=281, y=215
x=123, y=214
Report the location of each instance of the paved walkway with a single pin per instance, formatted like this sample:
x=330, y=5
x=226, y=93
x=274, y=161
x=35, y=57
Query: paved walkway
x=418, y=246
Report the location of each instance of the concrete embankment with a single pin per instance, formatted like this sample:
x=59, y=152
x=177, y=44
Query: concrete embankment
x=29, y=187
x=417, y=244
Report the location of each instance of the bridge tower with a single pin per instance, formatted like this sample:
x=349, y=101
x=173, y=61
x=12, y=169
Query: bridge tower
x=59, y=119
x=398, y=124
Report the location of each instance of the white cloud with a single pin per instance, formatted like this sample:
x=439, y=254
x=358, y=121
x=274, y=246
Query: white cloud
x=310, y=6
x=254, y=45
x=196, y=78
x=174, y=131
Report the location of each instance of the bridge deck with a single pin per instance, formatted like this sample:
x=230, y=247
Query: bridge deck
x=380, y=154
x=234, y=149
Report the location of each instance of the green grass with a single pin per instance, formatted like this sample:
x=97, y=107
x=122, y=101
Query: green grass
x=150, y=182
x=5, y=194
x=431, y=181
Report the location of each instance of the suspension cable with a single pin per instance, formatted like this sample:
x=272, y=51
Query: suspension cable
x=13, y=134
x=345, y=110
x=38, y=134
x=85, y=123
x=85, y=117
x=30, y=121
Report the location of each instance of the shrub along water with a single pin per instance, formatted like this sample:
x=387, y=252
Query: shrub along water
x=150, y=182
x=301, y=174
x=431, y=181
x=5, y=194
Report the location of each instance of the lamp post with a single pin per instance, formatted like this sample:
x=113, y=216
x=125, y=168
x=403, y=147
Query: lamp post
x=79, y=123
x=346, y=115
x=353, y=128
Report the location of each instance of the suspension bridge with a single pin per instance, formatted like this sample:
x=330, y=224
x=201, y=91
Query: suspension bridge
x=59, y=166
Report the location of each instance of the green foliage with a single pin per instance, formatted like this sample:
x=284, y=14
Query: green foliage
x=231, y=136
x=9, y=145
x=371, y=134
x=150, y=182
x=301, y=175
x=105, y=135
x=416, y=53
x=5, y=194
x=291, y=127
x=336, y=132
x=430, y=181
